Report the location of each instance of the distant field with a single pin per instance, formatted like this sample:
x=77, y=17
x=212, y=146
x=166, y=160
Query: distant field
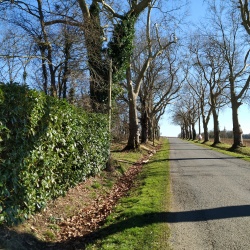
x=246, y=142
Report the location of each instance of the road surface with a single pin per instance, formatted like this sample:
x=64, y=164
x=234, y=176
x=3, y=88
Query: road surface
x=210, y=199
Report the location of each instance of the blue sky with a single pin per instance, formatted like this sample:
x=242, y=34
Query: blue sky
x=197, y=10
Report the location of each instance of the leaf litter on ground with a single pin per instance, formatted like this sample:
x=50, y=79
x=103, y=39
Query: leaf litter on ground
x=81, y=212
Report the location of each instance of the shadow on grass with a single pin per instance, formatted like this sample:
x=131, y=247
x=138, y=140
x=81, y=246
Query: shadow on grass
x=157, y=161
x=28, y=241
x=116, y=150
x=243, y=150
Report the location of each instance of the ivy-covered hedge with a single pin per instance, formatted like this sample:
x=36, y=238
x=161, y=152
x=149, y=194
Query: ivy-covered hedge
x=47, y=146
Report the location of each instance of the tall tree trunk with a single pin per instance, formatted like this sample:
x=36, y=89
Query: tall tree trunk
x=183, y=132
x=98, y=67
x=53, y=90
x=144, y=127
x=67, y=47
x=194, y=132
x=46, y=44
x=153, y=122
x=190, y=132
x=237, y=131
x=206, y=134
x=205, y=127
x=44, y=70
x=186, y=131
x=144, y=116
x=150, y=130
x=133, y=140
x=216, y=127
x=157, y=129
x=205, y=121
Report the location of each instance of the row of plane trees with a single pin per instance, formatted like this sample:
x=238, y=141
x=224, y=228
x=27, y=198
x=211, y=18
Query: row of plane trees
x=218, y=72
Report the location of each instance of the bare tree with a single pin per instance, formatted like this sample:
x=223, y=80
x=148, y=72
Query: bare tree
x=185, y=113
x=46, y=53
x=160, y=87
x=133, y=88
x=200, y=87
x=211, y=65
x=228, y=28
x=12, y=67
x=243, y=5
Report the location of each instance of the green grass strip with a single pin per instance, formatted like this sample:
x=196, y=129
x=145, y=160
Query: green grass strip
x=241, y=152
x=139, y=220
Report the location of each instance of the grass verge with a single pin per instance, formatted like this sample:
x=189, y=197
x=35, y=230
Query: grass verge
x=240, y=152
x=139, y=220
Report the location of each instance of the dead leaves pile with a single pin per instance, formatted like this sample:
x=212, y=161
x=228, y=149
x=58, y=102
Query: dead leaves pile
x=90, y=218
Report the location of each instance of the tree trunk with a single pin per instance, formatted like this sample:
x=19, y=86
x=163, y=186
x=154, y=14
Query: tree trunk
x=53, y=90
x=157, y=129
x=153, y=122
x=190, y=132
x=183, y=132
x=205, y=127
x=67, y=47
x=150, y=129
x=133, y=140
x=98, y=66
x=206, y=135
x=216, y=127
x=144, y=127
x=186, y=131
x=205, y=121
x=194, y=132
x=237, y=131
x=47, y=45
x=44, y=70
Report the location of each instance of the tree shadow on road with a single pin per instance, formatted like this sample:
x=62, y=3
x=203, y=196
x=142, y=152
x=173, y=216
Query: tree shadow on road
x=209, y=214
x=205, y=158
x=135, y=221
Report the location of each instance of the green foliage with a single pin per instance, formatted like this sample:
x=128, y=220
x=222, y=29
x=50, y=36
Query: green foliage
x=47, y=146
x=121, y=45
x=94, y=9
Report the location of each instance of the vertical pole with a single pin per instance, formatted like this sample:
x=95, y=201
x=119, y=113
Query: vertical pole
x=110, y=95
x=108, y=164
x=199, y=119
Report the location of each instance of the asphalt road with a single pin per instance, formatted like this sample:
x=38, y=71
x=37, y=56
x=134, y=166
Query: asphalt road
x=210, y=199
